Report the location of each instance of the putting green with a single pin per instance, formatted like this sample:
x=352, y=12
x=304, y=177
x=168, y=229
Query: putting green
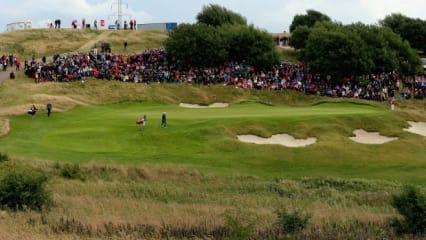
x=206, y=139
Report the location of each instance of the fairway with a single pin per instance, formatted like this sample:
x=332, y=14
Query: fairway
x=205, y=139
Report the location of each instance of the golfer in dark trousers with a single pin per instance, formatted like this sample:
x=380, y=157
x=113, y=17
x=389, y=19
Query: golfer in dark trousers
x=49, y=108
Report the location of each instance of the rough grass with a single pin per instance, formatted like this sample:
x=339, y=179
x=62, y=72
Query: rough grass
x=122, y=202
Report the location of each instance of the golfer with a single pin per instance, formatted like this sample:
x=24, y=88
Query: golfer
x=33, y=110
x=163, y=120
x=49, y=108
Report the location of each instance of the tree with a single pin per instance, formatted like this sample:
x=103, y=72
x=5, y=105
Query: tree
x=213, y=41
x=410, y=29
x=299, y=37
x=335, y=51
x=197, y=45
x=308, y=20
x=409, y=62
x=383, y=59
x=357, y=49
x=250, y=45
x=215, y=15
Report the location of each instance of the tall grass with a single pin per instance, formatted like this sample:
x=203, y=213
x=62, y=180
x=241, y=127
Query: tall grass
x=151, y=202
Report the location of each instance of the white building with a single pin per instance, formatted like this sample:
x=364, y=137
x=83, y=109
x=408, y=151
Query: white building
x=18, y=26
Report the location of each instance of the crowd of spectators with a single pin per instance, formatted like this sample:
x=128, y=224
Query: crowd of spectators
x=9, y=60
x=153, y=66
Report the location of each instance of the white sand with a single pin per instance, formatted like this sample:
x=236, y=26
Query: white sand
x=417, y=128
x=361, y=136
x=281, y=139
x=213, y=105
x=4, y=127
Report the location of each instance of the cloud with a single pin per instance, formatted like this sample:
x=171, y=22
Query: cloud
x=272, y=15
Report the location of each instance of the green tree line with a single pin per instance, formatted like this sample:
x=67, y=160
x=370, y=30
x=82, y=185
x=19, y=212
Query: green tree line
x=219, y=36
x=326, y=47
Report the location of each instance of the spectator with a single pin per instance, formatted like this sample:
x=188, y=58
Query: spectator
x=131, y=24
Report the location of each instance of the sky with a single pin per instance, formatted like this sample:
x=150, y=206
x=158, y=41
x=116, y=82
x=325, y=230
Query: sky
x=270, y=15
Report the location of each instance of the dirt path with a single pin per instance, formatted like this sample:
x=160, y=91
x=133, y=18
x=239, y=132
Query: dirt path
x=100, y=38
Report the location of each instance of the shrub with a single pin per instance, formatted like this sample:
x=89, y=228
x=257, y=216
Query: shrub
x=24, y=190
x=4, y=157
x=411, y=204
x=71, y=171
x=240, y=224
x=292, y=222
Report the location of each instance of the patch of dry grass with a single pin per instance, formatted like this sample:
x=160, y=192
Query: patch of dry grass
x=4, y=127
x=47, y=42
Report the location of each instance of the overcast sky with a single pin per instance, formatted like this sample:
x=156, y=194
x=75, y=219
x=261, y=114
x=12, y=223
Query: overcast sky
x=270, y=15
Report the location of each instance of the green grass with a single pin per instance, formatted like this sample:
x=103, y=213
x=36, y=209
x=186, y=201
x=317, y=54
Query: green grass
x=205, y=139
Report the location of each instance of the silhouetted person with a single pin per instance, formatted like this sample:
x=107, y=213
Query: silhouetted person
x=49, y=108
x=163, y=120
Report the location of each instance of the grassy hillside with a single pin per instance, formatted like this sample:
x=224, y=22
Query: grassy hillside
x=47, y=42
x=194, y=179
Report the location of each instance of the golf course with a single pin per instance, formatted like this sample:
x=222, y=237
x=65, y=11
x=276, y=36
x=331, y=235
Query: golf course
x=109, y=178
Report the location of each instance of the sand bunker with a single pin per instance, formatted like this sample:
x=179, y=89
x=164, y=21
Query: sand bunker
x=417, y=128
x=281, y=139
x=214, y=105
x=362, y=136
x=4, y=127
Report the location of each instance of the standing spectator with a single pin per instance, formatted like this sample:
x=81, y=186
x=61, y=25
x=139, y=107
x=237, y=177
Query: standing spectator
x=49, y=108
x=73, y=24
x=17, y=64
x=117, y=24
x=134, y=24
x=95, y=24
x=95, y=49
x=131, y=24
x=59, y=23
x=4, y=65
x=125, y=25
x=83, y=23
x=392, y=103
